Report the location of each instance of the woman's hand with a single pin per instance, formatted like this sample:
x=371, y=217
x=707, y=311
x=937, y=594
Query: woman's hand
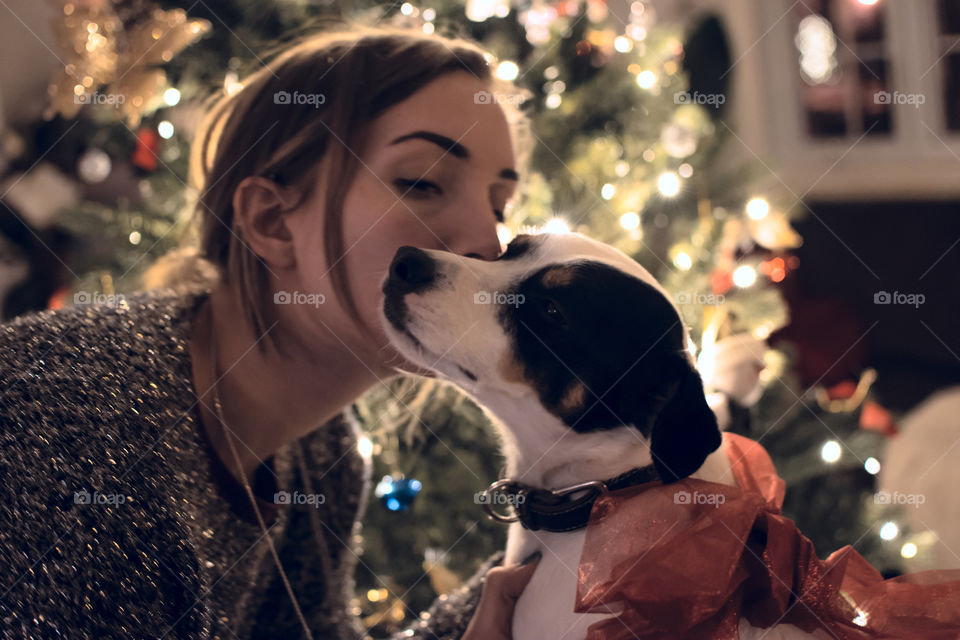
x=493, y=618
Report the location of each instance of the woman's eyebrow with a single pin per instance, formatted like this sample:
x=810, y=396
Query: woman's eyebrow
x=442, y=141
x=451, y=146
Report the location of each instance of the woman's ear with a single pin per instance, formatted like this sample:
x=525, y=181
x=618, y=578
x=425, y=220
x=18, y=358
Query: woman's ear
x=685, y=430
x=259, y=205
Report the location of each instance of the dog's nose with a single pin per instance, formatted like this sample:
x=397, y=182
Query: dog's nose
x=412, y=269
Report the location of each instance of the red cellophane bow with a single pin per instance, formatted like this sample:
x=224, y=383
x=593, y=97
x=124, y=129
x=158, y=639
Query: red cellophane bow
x=686, y=561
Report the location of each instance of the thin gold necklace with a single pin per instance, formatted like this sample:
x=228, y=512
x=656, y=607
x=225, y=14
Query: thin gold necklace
x=218, y=407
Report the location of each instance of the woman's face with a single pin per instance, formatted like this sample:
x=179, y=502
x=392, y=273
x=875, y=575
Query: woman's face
x=436, y=172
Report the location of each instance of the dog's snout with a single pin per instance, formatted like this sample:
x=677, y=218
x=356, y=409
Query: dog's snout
x=412, y=269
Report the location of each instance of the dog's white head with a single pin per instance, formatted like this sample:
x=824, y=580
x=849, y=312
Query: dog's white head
x=569, y=342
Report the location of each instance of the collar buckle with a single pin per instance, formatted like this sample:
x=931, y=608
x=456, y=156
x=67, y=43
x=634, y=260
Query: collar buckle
x=488, y=499
x=592, y=484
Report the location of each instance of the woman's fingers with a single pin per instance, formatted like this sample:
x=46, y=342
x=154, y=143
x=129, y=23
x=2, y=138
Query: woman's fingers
x=502, y=586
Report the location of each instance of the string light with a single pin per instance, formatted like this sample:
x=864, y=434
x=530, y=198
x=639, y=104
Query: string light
x=646, y=79
x=831, y=451
x=669, y=184
x=165, y=129
x=872, y=465
x=758, y=208
x=683, y=261
x=231, y=83
x=908, y=550
x=622, y=44
x=889, y=531
x=508, y=70
x=744, y=276
x=685, y=170
x=630, y=220
x=171, y=96
x=556, y=225
x=607, y=191
x=503, y=233
x=365, y=446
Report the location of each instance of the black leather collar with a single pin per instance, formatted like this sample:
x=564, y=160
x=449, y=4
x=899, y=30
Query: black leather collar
x=554, y=509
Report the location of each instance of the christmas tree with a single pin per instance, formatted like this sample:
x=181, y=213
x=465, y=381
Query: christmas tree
x=627, y=123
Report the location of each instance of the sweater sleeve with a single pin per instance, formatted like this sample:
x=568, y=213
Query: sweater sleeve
x=449, y=615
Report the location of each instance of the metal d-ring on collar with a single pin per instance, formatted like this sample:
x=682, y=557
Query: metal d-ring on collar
x=551, y=509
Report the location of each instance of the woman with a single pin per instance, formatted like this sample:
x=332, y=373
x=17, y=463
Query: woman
x=150, y=442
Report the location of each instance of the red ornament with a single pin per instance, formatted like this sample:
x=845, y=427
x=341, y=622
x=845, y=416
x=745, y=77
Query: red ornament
x=721, y=281
x=145, y=154
x=875, y=418
x=842, y=390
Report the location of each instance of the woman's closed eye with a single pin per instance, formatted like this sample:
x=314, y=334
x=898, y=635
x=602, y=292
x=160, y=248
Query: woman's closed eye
x=417, y=186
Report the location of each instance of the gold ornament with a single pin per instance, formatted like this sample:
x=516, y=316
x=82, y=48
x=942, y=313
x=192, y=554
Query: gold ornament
x=773, y=231
x=110, y=65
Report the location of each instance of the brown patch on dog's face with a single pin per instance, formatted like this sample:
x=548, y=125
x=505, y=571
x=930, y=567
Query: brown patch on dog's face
x=511, y=370
x=557, y=277
x=573, y=399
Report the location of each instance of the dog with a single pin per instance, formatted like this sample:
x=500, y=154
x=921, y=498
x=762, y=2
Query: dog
x=582, y=359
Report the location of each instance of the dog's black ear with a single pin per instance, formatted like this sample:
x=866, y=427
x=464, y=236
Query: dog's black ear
x=684, y=430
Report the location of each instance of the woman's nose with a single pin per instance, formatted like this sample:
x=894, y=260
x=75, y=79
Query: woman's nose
x=476, y=239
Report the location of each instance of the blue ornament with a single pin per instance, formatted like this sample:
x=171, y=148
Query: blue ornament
x=396, y=493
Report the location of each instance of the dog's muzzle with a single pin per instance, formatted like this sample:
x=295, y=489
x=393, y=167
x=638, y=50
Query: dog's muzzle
x=411, y=271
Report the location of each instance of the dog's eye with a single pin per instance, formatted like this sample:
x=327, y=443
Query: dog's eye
x=552, y=312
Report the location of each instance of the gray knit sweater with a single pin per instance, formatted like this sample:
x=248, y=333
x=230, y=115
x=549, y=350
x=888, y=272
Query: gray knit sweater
x=117, y=520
